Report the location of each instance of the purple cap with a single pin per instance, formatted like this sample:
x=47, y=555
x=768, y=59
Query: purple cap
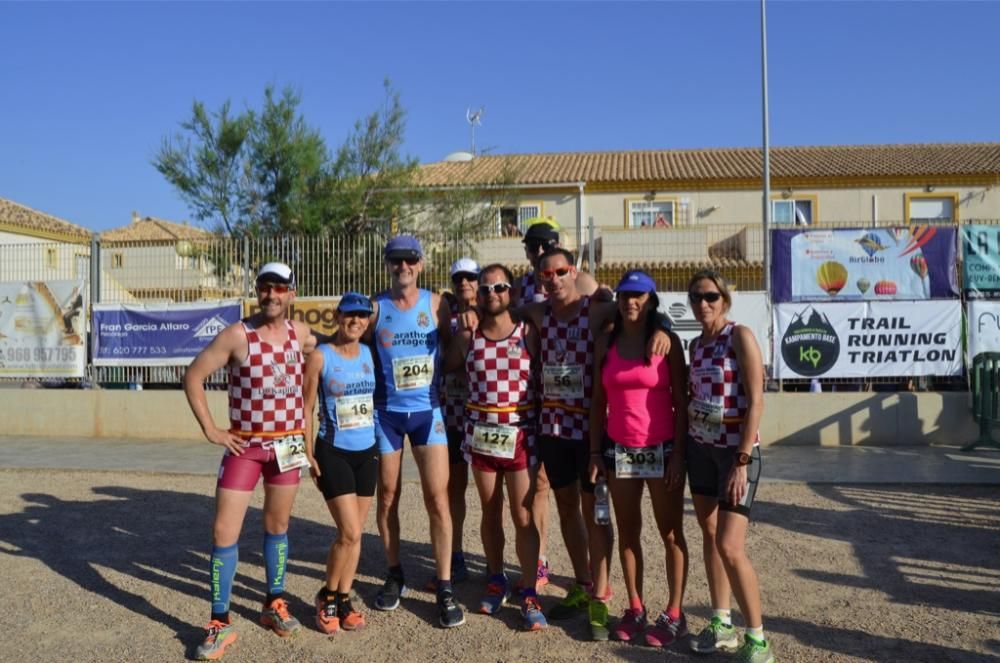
x=636, y=280
x=404, y=246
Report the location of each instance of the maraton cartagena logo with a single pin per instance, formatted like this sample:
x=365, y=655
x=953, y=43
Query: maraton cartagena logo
x=810, y=346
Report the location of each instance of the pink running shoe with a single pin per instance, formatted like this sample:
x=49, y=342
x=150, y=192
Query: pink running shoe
x=665, y=631
x=631, y=624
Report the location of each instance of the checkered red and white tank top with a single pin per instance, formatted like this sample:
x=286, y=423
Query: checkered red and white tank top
x=501, y=382
x=715, y=374
x=265, y=391
x=455, y=388
x=526, y=284
x=571, y=344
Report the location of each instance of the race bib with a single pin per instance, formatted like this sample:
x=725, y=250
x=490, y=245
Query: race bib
x=355, y=412
x=562, y=381
x=639, y=463
x=413, y=372
x=494, y=440
x=290, y=453
x=456, y=388
x=705, y=418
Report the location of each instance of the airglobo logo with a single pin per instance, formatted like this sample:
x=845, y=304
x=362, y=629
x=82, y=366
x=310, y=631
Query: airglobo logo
x=810, y=346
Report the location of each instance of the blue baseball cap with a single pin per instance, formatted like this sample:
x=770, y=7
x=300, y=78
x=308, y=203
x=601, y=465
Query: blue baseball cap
x=636, y=280
x=355, y=302
x=404, y=246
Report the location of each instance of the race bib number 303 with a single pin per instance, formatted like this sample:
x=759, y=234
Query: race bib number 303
x=290, y=453
x=562, y=381
x=639, y=463
x=413, y=372
x=494, y=440
x=355, y=412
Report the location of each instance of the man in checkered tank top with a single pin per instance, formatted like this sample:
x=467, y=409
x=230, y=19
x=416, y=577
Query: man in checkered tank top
x=265, y=355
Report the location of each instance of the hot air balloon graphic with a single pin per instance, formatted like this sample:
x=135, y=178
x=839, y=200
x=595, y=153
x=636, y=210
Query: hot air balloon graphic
x=919, y=265
x=863, y=285
x=871, y=244
x=831, y=277
x=885, y=288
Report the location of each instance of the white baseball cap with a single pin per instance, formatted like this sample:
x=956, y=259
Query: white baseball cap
x=465, y=266
x=277, y=272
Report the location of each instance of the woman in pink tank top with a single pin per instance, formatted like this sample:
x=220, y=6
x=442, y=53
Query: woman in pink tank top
x=638, y=426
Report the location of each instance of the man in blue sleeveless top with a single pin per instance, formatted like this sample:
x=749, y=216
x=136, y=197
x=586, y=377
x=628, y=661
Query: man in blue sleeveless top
x=411, y=323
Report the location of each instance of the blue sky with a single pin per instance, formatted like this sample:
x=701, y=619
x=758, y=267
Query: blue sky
x=88, y=90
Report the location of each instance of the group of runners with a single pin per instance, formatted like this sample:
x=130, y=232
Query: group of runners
x=546, y=383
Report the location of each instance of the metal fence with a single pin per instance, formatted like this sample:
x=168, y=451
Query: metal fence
x=221, y=267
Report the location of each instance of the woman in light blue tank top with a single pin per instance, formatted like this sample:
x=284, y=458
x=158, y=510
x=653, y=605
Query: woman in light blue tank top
x=343, y=456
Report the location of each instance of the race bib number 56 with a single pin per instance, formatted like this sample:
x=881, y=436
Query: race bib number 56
x=562, y=381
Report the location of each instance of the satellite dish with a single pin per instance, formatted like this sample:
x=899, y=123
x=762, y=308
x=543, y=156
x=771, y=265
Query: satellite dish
x=459, y=156
x=474, y=118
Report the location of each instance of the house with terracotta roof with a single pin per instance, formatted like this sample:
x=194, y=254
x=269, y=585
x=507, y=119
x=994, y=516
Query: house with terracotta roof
x=39, y=246
x=704, y=206
x=155, y=259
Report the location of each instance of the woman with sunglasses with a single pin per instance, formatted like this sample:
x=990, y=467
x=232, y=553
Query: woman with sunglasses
x=726, y=401
x=343, y=456
x=638, y=425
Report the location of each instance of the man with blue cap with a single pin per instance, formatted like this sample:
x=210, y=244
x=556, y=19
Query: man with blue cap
x=410, y=325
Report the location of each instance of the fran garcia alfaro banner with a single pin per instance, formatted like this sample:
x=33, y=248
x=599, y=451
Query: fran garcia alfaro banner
x=916, y=262
x=868, y=339
x=158, y=335
x=984, y=327
x=42, y=329
x=981, y=261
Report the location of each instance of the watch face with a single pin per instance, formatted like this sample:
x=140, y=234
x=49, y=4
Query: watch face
x=742, y=458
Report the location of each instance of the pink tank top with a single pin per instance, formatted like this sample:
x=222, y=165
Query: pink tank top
x=640, y=409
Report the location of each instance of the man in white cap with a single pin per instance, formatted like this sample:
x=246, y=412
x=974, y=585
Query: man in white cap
x=265, y=356
x=411, y=325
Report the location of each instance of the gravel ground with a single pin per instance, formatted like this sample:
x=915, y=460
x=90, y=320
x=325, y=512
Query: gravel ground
x=113, y=566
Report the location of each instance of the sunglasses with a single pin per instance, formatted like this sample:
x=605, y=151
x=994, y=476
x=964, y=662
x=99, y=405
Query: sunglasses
x=550, y=274
x=499, y=288
x=277, y=288
x=396, y=262
x=463, y=276
x=710, y=297
x=356, y=314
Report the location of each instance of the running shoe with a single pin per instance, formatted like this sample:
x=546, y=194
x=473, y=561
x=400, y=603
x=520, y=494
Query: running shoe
x=666, y=631
x=459, y=573
x=575, y=602
x=542, y=577
x=275, y=617
x=597, y=613
x=392, y=590
x=753, y=651
x=631, y=624
x=532, y=618
x=350, y=619
x=326, y=614
x=497, y=595
x=714, y=637
x=450, y=613
x=218, y=636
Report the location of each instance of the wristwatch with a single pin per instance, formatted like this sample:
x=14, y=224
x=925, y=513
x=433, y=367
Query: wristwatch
x=742, y=459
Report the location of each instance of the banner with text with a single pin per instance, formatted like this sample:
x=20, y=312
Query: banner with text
x=749, y=309
x=916, y=262
x=868, y=339
x=319, y=313
x=42, y=329
x=981, y=261
x=984, y=327
x=158, y=334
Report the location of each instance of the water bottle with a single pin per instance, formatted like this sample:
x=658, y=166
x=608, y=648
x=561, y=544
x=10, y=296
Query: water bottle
x=602, y=507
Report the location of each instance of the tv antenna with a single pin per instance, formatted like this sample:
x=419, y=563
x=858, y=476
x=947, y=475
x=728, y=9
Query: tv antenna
x=474, y=118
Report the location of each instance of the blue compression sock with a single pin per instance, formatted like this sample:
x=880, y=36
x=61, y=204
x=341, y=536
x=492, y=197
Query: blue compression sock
x=222, y=566
x=275, y=559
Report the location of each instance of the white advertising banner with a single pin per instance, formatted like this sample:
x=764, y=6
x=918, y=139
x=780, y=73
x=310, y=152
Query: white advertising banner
x=42, y=329
x=868, y=339
x=984, y=327
x=749, y=309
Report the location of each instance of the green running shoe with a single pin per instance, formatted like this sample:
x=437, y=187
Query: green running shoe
x=598, y=614
x=575, y=602
x=218, y=636
x=753, y=651
x=714, y=637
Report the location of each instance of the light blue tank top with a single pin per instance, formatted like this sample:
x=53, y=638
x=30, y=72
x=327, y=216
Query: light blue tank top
x=346, y=412
x=406, y=355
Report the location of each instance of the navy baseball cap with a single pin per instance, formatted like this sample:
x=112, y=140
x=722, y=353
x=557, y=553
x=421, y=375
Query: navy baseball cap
x=404, y=246
x=636, y=280
x=355, y=302
x=542, y=231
